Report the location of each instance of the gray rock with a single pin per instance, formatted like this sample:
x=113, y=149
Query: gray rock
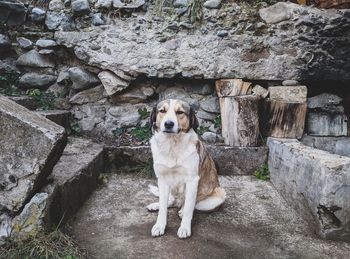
x=288, y=93
x=56, y=5
x=89, y=116
x=212, y=4
x=92, y=95
x=326, y=124
x=104, y=4
x=180, y=3
x=59, y=21
x=5, y=42
x=26, y=101
x=260, y=91
x=30, y=146
x=63, y=78
x=25, y=43
x=34, y=80
x=334, y=145
x=67, y=3
x=136, y=95
x=5, y=227
x=278, y=12
x=206, y=115
x=60, y=117
x=42, y=43
x=314, y=182
x=123, y=116
x=130, y=5
x=82, y=79
x=211, y=105
x=34, y=59
x=46, y=51
x=97, y=19
x=323, y=101
x=80, y=7
x=30, y=221
x=222, y=33
x=37, y=15
x=290, y=82
x=198, y=88
x=210, y=137
x=112, y=83
x=177, y=93
x=13, y=13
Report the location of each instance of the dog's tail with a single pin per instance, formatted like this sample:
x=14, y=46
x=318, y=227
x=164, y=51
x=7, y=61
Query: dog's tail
x=154, y=190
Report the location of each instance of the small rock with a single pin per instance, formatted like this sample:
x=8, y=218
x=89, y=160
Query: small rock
x=123, y=116
x=222, y=33
x=290, y=82
x=35, y=80
x=260, y=91
x=182, y=10
x=97, y=19
x=46, y=51
x=37, y=15
x=112, y=83
x=323, y=101
x=210, y=137
x=211, y=105
x=82, y=79
x=288, y=93
x=34, y=59
x=5, y=228
x=206, y=115
x=45, y=43
x=198, y=88
x=5, y=42
x=278, y=12
x=104, y=4
x=56, y=5
x=213, y=129
x=92, y=95
x=63, y=78
x=212, y=4
x=180, y=3
x=59, y=21
x=136, y=95
x=80, y=7
x=66, y=3
x=25, y=43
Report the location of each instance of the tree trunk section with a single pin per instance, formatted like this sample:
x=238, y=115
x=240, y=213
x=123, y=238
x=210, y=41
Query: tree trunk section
x=283, y=119
x=232, y=87
x=240, y=120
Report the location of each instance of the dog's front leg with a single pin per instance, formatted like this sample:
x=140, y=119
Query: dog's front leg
x=159, y=228
x=190, y=201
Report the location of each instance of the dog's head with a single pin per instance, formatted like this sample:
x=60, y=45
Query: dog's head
x=173, y=116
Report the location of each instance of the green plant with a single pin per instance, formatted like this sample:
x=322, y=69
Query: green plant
x=143, y=113
x=74, y=127
x=263, y=172
x=217, y=122
x=8, y=83
x=44, y=100
x=142, y=133
x=54, y=245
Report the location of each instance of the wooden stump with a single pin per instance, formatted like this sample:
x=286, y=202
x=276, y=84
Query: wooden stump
x=232, y=87
x=283, y=119
x=239, y=120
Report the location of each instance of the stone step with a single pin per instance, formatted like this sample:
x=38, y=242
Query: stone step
x=229, y=160
x=254, y=222
x=60, y=117
x=73, y=179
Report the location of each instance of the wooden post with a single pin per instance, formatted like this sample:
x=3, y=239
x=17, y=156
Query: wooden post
x=239, y=120
x=281, y=119
x=232, y=87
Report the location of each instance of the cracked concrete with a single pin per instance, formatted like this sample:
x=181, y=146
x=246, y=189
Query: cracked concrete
x=254, y=222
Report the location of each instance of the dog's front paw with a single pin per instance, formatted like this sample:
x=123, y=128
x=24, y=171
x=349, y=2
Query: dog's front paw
x=158, y=230
x=153, y=206
x=184, y=232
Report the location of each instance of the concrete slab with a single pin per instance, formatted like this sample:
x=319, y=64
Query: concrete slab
x=254, y=222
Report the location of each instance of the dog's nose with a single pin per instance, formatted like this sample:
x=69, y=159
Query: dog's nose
x=169, y=124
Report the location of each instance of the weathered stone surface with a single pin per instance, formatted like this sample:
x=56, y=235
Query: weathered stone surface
x=260, y=91
x=80, y=7
x=82, y=79
x=30, y=222
x=46, y=51
x=206, y=115
x=35, y=80
x=313, y=180
x=5, y=227
x=323, y=101
x=60, y=117
x=38, y=15
x=134, y=4
x=177, y=93
x=138, y=94
x=180, y=3
x=42, y=43
x=112, y=83
x=123, y=116
x=34, y=59
x=103, y=4
x=97, y=19
x=211, y=137
x=5, y=42
x=13, y=13
x=89, y=116
x=326, y=124
x=63, y=78
x=59, y=21
x=26, y=101
x=73, y=179
x=334, y=145
x=288, y=93
x=212, y=4
x=278, y=12
x=290, y=82
x=88, y=96
x=30, y=145
x=296, y=49
x=25, y=43
x=211, y=105
x=56, y=5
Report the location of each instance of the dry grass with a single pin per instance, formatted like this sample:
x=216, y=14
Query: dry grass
x=54, y=245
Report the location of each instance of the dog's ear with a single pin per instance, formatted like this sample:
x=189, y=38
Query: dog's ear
x=152, y=118
x=193, y=120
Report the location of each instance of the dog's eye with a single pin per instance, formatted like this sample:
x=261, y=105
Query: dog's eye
x=162, y=111
x=179, y=112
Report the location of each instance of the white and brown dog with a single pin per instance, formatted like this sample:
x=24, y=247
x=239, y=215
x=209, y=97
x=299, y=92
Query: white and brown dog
x=187, y=177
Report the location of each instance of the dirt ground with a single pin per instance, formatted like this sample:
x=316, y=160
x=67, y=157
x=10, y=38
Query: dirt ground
x=254, y=222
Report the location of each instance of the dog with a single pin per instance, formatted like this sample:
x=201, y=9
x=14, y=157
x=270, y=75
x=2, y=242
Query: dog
x=186, y=173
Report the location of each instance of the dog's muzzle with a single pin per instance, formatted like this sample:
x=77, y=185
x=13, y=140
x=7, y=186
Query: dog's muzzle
x=169, y=126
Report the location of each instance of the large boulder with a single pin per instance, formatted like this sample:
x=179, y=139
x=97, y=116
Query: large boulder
x=315, y=182
x=30, y=146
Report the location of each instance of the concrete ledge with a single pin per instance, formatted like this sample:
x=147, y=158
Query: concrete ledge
x=315, y=181
x=229, y=160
